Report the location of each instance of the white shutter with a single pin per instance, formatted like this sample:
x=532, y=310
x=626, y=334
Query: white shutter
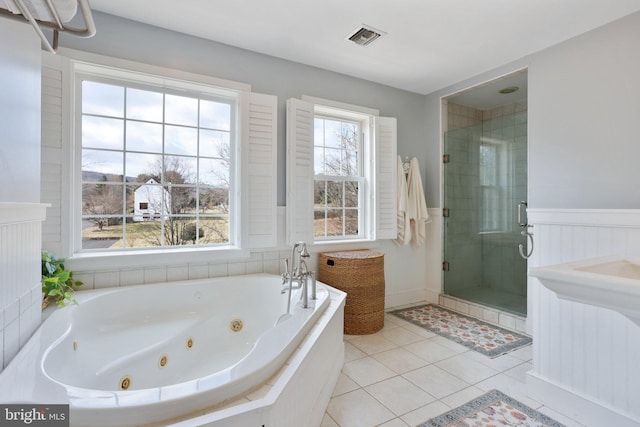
x=386, y=165
x=55, y=172
x=299, y=171
x=259, y=160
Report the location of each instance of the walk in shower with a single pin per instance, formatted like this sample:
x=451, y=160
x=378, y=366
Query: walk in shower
x=485, y=179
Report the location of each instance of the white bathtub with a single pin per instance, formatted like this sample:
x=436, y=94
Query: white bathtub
x=157, y=352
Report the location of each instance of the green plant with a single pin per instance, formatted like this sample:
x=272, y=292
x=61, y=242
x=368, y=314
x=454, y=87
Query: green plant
x=57, y=283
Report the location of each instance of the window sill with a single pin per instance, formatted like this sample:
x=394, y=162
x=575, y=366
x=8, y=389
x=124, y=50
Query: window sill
x=344, y=245
x=91, y=261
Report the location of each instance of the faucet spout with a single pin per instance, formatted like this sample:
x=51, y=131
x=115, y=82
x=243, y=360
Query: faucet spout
x=297, y=272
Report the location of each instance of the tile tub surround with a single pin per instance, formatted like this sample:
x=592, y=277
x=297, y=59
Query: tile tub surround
x=404, y=375
x=20, y=288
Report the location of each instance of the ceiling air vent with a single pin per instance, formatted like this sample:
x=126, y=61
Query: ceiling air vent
x=364, y=35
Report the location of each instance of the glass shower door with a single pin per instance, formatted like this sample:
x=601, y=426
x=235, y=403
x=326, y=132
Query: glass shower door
x=484, y=180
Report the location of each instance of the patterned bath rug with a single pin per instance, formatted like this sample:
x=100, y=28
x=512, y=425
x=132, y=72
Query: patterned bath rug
x=490, y=340
x=492, y=409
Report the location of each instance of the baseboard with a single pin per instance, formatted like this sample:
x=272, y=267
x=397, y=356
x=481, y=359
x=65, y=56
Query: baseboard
x=577, y=407
x=405, y=297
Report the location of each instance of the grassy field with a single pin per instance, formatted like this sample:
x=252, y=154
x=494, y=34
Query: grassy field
x=148, y=233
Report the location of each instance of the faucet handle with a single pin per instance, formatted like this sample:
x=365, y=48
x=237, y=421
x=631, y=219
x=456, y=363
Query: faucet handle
x=304, y=253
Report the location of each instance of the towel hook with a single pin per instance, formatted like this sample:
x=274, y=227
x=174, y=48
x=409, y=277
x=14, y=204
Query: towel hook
x=405, y=165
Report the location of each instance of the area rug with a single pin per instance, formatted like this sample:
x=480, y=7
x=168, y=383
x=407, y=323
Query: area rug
x=490, y=340
x=490, y=410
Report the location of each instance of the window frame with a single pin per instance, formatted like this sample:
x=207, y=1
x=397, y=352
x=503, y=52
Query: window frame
x=496, y=190
x=380, y=161
x=363, y=177
x=98, y=67
x=167, y=89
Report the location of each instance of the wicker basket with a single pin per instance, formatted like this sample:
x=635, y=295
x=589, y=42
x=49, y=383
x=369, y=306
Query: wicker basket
x=361, y=275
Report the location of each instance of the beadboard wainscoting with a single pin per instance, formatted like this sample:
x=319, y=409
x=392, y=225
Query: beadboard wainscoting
x=585, y=361
x=20, y=288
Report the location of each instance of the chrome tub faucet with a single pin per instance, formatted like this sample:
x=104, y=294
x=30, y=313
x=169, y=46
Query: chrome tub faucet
x=300, y=274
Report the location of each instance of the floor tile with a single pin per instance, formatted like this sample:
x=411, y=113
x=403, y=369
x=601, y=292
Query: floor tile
x=463, y=396
x=401, y=336
x=358, y=409
x=466, y=369
x=372, y=344
x=397, y=422
x=499, y=363
x=509, y=386
x=390, y=318
x=351, y=352
x=367, y=371
x=327, y=421
x=399, y=395
x=344, y=385
x=520, y=372
x=436, y=381
x=525, y=353
x=400, y=360
x=458, y=348
x=568, y=422
x=430, y=351
x=421, y=415
x=418, y=330
x=404, y=375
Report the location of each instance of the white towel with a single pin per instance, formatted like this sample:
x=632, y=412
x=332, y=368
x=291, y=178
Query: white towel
x=404, y=228
x=417, y=214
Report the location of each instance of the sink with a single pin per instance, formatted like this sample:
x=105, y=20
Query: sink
x=608, y=282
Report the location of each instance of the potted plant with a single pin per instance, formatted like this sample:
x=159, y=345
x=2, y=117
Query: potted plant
x=57, y=283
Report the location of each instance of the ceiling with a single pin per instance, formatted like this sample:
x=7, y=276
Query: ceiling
x=428, y=45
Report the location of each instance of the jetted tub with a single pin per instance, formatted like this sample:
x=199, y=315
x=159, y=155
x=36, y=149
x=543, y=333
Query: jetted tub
x=156, y=352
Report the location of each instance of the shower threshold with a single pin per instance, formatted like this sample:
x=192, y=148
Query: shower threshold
x=506, y=319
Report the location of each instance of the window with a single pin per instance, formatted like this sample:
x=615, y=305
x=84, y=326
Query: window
x=341, y=166
x=251, y=125
x=492, y=217
x=156, y=165
x=339, y=175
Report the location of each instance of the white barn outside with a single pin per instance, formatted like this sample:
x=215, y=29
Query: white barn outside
x=150, y=202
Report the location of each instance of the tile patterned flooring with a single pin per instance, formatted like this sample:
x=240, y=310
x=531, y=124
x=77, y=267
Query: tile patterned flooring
x=404, y=375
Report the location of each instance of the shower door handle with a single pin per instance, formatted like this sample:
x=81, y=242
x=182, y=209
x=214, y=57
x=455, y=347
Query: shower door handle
x=525, y=232
x=528, y=235
x=521, y=205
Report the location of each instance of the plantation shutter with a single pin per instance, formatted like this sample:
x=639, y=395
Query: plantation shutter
x=259, y=163
x=54, y=151
x=386, y=165
x=300, y=115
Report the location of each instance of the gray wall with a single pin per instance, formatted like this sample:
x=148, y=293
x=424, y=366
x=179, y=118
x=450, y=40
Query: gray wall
x=584, y=110
x=19, y=113
x=139, y=42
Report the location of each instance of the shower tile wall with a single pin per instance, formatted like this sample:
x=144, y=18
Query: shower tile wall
x=484, y=260
x=503, y=265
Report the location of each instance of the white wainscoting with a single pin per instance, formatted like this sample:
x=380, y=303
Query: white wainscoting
x=586, y=360
x=20, y=288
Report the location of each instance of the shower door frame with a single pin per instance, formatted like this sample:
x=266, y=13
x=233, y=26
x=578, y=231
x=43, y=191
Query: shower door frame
x=444, y=101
